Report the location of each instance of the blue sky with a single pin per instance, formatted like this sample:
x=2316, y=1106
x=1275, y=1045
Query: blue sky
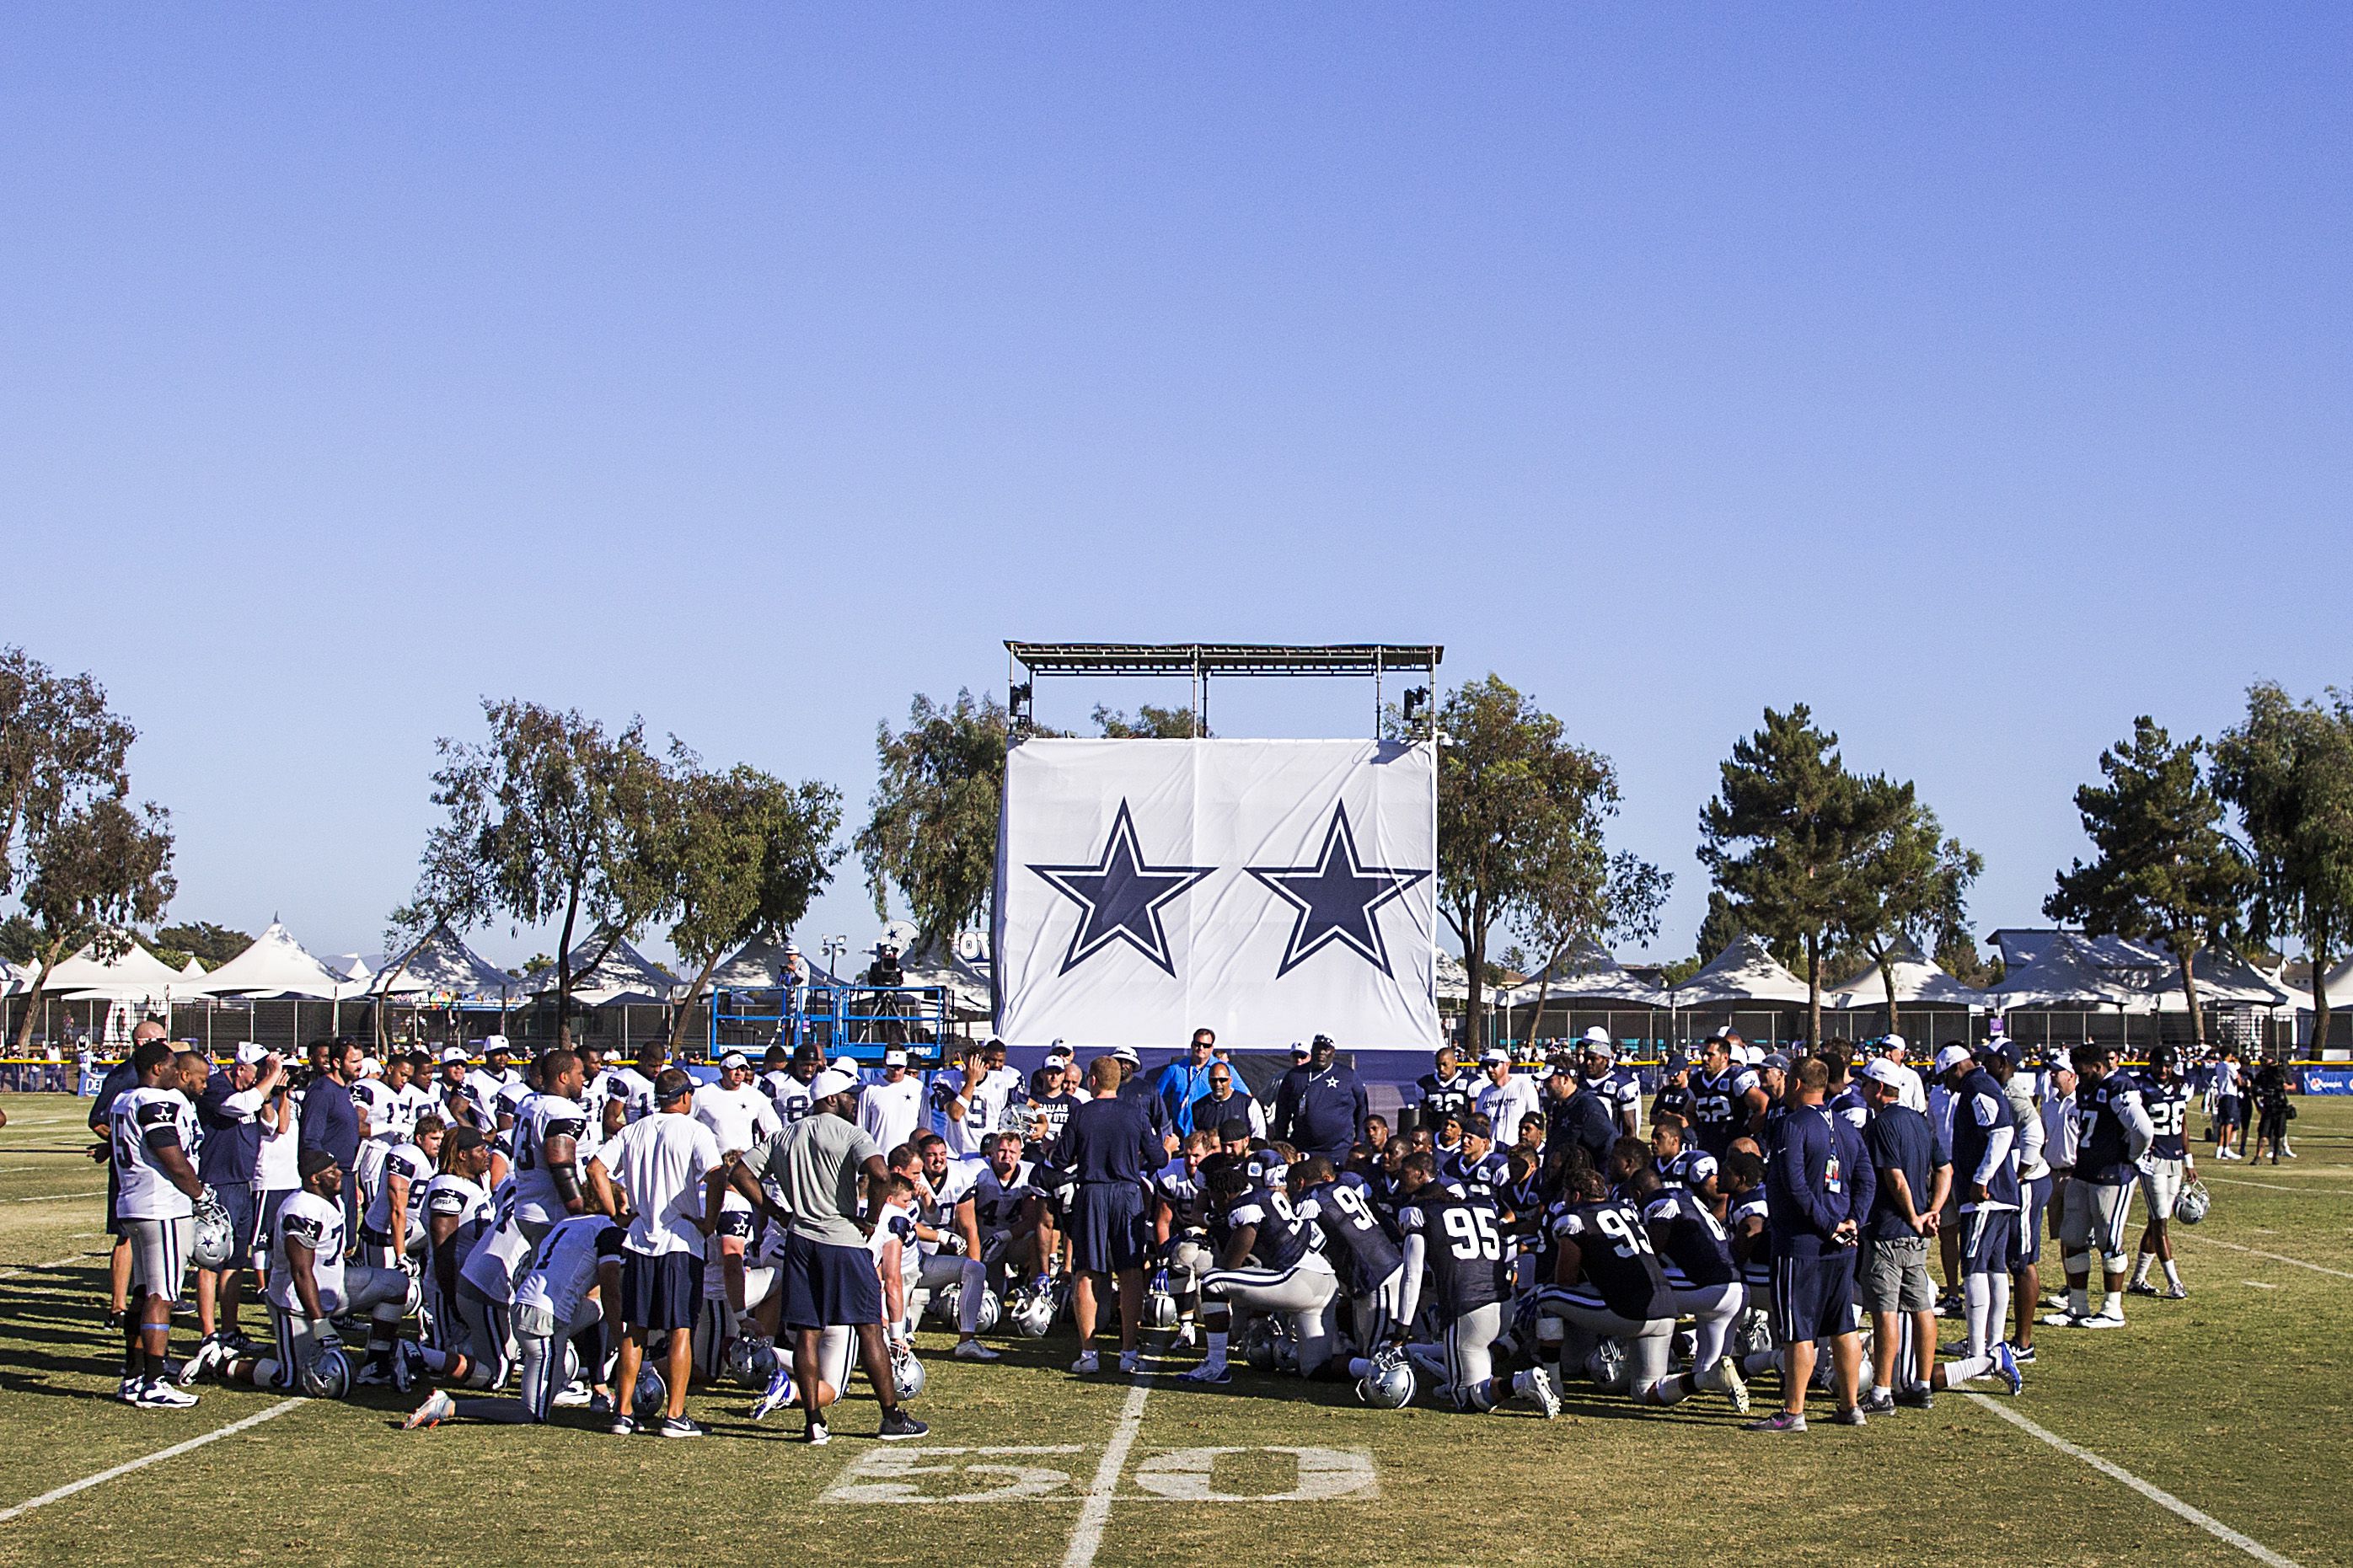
x=1979, y=376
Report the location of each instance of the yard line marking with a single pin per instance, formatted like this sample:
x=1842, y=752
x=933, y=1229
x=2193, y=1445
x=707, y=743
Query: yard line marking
x=2276, y=1187
x=1086, y=1535
x=2157, y=1495
x=60, y=1198
x=173, y=1452
x=2259, y=1284
x=43, y=1268
x=2258, y=1252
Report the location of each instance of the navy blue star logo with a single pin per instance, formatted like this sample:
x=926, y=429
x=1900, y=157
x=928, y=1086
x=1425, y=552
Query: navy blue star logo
x=1336, y=898
x=1122, y=897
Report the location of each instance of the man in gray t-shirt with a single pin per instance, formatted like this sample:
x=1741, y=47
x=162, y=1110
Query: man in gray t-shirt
x=827, y=1278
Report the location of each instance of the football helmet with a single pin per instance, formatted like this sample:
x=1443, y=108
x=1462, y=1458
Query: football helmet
x=944, y=1301
x=2189, y=1205
x=1390, y=1385
x=1607, y=1365
x=1259, y=1347
x=652, y=1401
x=907, y=1373
x=216, y=1234
x=329, y=1375
x=1033, y=1312
x=1159, y=1310
x=992, y=1311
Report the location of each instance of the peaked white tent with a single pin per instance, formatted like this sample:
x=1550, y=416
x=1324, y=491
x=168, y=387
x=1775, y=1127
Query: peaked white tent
x=758, y=965
x=2060, y=972
x=1588, y=971
x=623, y=974
x=275, y=965
x=441, y=965
x=967, y=987
x=194, y=968
x=1745, y=970
x=1920, y=981
x=134, y=975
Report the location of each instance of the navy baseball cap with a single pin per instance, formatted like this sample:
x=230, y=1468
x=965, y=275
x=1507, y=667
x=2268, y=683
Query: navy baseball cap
x=2004, y=1049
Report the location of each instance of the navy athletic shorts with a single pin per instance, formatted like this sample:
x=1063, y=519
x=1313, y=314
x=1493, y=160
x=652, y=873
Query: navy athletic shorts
x=1813, y=1298
x=236, y=1197
x=1108, y=1229
x=1989, y=1241
x=828, y=1287
x=661, y=1290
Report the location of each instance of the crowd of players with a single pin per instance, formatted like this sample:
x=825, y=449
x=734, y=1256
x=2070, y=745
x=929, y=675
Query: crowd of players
x=610, y=1237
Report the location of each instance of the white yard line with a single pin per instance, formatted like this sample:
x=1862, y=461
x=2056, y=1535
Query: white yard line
x=58, y=1197
x=2276, y=1187
x=173, y=1452
x=1086, y=1536
x=2157, y=1495
x=2181, y=1234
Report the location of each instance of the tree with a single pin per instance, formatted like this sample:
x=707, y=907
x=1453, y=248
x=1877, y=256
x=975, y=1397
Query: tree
x=2288, y=769
x=213, y=945
x=1907, y=884
x=1150, y=724
x=1781, y=835
x=1519, y=812
x=94, y=874
x=1718, y=929
x=546, y=820
x=1957, y=955
x=743, y=853
x=931, y=833
x=1578, y=896
x=2164, y=867
x=60, y=748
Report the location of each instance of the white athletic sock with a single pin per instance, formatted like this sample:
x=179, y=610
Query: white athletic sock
x=1672, y=1390
x=1216, y=1355
x=2112, y=1305
x=1996, y=1310
x=1960, y=1369
x=1977, y=1299
x=2172, y=1274
x=2140, y=1268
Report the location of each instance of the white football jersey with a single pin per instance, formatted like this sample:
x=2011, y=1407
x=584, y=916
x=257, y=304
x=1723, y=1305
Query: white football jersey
x=495, y=1261
x=308, y=1218
x=563, y=1267
x=540, y=1118
x=139, y=1119
x=788, y=1094
x=452, y=1196
x=412, y=1165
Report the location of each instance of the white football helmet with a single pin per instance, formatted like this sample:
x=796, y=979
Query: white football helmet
x=1390, y=1385
x=907, y=1373
x=992, y=1311
x=329, y=1376
x=216, y=1235
x=2189, y=1205
x=1033, y=1313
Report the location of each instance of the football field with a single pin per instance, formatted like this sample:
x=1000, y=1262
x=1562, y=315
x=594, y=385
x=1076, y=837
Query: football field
x=2215, y=1431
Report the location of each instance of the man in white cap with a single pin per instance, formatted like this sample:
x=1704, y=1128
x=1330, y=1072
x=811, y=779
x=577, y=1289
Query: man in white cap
x=1910, y=1092
x=1598, y=1059
x=889, y=1109
x=1507, y=1096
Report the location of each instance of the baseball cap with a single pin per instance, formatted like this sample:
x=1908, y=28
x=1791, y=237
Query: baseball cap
x=1775, y=1060
x=1673, y=1063
x=1951, y=1057
x=1598, y=1035
x=1998, y=1049
x=249, y=1054
x=495, y=1043
x=453, y=1054
x=1299, y=1049
x=1889, y=1043
x=896, y=1057
x=371, y=1067
x=467, y=1138
x=1125, y=1054
x=1493, y=1054
x=1879, y=1069
x=736, y=1059
x=833, y=1081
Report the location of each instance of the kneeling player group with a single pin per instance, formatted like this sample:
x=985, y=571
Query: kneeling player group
x=612, y=1239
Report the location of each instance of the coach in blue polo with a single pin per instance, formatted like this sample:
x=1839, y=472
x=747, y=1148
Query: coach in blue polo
x=1110, y=1148
x=1817, y=1190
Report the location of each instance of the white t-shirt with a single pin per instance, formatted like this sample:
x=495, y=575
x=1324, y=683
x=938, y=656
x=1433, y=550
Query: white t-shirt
x=1504, y=1104
x=889, y=1111
x=308, y=1218
x=737, y=1118
x=661, y=1162
x=1910, y=1092
x=142, y=1188
x=277, y=1171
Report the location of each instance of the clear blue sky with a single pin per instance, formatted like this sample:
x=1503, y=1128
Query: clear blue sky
x=1981, y=377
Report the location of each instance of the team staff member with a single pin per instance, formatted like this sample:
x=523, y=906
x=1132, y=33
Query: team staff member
x=1110, y=1149
x=230, y=1111
x=330, y=1122
x=829, y=1280
x=1913, y=1173
x=891, y=1109
x=1320, y=1107
x=675, y=1174
x=1228, y=1100
x=1819, y=1189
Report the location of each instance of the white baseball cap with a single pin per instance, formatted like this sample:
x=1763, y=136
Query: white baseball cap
x=833, y=1081
x=1493, y=1054
x=1879, y=1069
x=248, y=1054
x=735, y=1059
x=1890, y=1044
x=1598, y=1035
x=1952, y=1057
x=454, y=1054
x=1127, y=1053
x=896, y=1057
x=371, y=1067
x=496, y=1042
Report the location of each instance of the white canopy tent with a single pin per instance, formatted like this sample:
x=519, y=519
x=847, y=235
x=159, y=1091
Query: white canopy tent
x=441, y=966
x=275, y=965
x=1920, y=981
x=2140, y=976
x=758, y=965
x=2059, y=973
x=135, y=975
x=1745, y=970
x=1588, y=971
x=623, y=974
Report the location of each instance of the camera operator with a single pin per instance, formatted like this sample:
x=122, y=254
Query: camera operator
x=230, y=1111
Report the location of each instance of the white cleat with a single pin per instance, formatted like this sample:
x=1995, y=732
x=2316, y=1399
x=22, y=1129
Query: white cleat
x=1088, y=1364
x=2101, y=1321
x=1128, y=1362
x=1541, y=1390
x=437, y=1408
x=972, y=1350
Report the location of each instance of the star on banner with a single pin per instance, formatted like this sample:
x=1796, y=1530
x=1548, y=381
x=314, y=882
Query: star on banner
x=1335, y=898
x=1121, y=898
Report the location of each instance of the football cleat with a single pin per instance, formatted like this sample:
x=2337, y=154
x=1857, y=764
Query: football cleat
x=212, y=1353
x=972, y=1350
x=2005, y=1366
x=1726, y=1373
x=162, y=1395
x=2174, y=1293
x=1541, y=1390
x=2140, y=1287
x=778, y=1394
x=1188, y=1334
x=1088, y=1364
x=437, y=1408
x=1209, y=1372
x=2101, y=1321
x=815, y=1435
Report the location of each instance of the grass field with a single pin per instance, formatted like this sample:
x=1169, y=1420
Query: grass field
x=2233, y=1403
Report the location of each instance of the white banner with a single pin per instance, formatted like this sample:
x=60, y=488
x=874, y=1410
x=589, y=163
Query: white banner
x=1272, y=890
